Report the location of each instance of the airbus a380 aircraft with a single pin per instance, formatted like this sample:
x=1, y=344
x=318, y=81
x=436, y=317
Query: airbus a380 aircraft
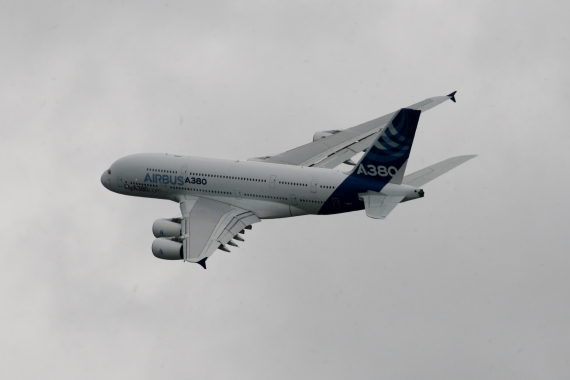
x=220, y=198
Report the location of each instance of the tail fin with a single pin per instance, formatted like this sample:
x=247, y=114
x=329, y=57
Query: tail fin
x=387, y=157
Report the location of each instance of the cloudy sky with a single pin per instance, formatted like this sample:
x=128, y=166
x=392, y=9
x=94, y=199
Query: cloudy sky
x=470, y=282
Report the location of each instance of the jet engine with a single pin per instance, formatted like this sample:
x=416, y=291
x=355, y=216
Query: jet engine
x=322, y=134
x=167, y=249
x=166, y=227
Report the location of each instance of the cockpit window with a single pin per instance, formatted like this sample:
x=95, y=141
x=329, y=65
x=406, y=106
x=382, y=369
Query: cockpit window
x=109, y=171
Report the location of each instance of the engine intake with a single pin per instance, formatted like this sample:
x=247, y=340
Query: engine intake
x=166, y=228
x=167, y=249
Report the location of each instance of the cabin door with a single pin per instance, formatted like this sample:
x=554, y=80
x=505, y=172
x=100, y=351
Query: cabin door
x=272, y=181
x=293, y=200
x=314, y=183
x=120, y=182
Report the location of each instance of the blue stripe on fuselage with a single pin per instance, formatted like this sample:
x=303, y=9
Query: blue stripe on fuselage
x=347, y=195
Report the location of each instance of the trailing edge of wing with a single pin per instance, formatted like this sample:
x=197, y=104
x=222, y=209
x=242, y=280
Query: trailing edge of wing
x=208, y=224
x=421, y=177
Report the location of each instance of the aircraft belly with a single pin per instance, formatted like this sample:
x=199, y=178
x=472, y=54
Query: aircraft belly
x=270, y=210
x=296, y=211
x=263, y=209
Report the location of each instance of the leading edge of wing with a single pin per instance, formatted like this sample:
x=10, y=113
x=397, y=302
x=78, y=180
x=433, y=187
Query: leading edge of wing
x=349, y=140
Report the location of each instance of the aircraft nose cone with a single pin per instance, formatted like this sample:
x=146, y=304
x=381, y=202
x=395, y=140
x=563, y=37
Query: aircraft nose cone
x=104, y=179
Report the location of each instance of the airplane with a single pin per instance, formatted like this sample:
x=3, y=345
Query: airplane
x=220, y=199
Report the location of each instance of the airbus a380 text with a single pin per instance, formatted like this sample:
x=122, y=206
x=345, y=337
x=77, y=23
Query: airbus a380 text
x=219, y=199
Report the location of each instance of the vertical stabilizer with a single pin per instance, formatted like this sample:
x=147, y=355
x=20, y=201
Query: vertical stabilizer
x=387, y=157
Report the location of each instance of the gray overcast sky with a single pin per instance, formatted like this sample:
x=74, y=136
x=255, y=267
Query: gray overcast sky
x=470, y=282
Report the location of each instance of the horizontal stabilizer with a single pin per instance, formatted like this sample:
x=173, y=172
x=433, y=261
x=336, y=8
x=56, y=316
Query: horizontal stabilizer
x=379, y=206
x=430, y=173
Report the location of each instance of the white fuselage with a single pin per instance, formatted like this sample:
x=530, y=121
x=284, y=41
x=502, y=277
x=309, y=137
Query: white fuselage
x=268, y=190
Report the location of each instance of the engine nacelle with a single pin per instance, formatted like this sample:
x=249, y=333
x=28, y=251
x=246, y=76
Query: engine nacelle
x=322, y=134
x=166, y=228
x=167, y=249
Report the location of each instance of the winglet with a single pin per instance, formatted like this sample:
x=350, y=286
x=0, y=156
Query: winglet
x=452, y=96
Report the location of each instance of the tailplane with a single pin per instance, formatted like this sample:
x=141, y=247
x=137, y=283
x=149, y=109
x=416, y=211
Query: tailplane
x=421, y=177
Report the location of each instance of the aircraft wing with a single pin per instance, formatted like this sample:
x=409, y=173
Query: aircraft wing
x=208, y=225
x=333, y=150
